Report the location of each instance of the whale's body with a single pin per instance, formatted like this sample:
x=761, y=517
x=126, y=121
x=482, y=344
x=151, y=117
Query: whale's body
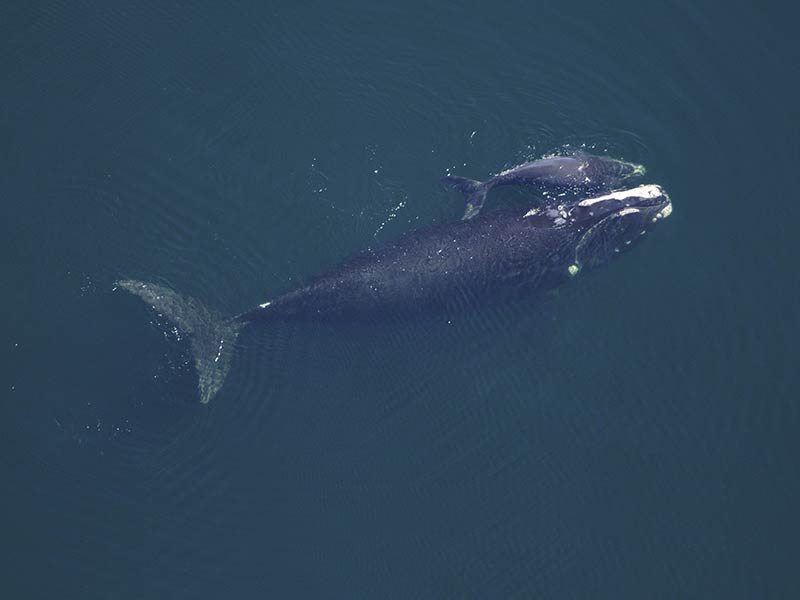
x=490, y=258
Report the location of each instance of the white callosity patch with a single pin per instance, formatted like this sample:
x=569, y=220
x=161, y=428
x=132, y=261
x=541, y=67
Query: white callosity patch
x=663, y=213
x=643, y=191
x=532, y=212
x=628, y=211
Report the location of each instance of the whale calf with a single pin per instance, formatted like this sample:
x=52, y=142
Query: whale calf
x=577, y=174
x=493, y=257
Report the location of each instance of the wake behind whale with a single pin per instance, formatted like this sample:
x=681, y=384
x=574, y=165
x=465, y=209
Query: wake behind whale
x=483, y=258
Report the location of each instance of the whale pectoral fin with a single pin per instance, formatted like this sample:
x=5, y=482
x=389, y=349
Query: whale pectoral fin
x=474, y=191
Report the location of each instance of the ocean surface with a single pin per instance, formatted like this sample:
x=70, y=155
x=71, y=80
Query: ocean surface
x=637, y=435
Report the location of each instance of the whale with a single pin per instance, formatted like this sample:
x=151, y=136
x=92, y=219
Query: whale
x=494, y=257
x=579, y=174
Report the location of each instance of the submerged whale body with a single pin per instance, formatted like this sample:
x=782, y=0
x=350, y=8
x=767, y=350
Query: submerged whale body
x=489, y=258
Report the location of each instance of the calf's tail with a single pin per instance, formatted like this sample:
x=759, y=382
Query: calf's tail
x=474, y=192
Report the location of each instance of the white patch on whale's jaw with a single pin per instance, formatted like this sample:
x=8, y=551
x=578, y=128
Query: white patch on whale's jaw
x=532, y=212
x=628, y=211
x=643, y=191
x=664, y=212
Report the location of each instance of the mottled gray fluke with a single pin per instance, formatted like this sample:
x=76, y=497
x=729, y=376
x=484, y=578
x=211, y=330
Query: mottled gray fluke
x=211, y=335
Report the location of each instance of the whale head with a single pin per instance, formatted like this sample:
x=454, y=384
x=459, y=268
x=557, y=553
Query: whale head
x=612, y=172
x=613, y=223
x=597, y=229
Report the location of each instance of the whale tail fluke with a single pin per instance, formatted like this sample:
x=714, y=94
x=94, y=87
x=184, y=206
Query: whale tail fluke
x=474, y=191
x=211, y=335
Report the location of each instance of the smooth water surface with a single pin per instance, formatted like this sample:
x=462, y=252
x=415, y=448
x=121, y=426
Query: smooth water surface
x=634, y=436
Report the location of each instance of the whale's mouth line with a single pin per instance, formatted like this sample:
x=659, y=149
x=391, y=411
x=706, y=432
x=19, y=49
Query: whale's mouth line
x=655, y=209
x=664, y=204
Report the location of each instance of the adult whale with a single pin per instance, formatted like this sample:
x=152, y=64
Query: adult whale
x=491, y=258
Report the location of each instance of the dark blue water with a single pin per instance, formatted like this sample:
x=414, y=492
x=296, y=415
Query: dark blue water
x=634, y=437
